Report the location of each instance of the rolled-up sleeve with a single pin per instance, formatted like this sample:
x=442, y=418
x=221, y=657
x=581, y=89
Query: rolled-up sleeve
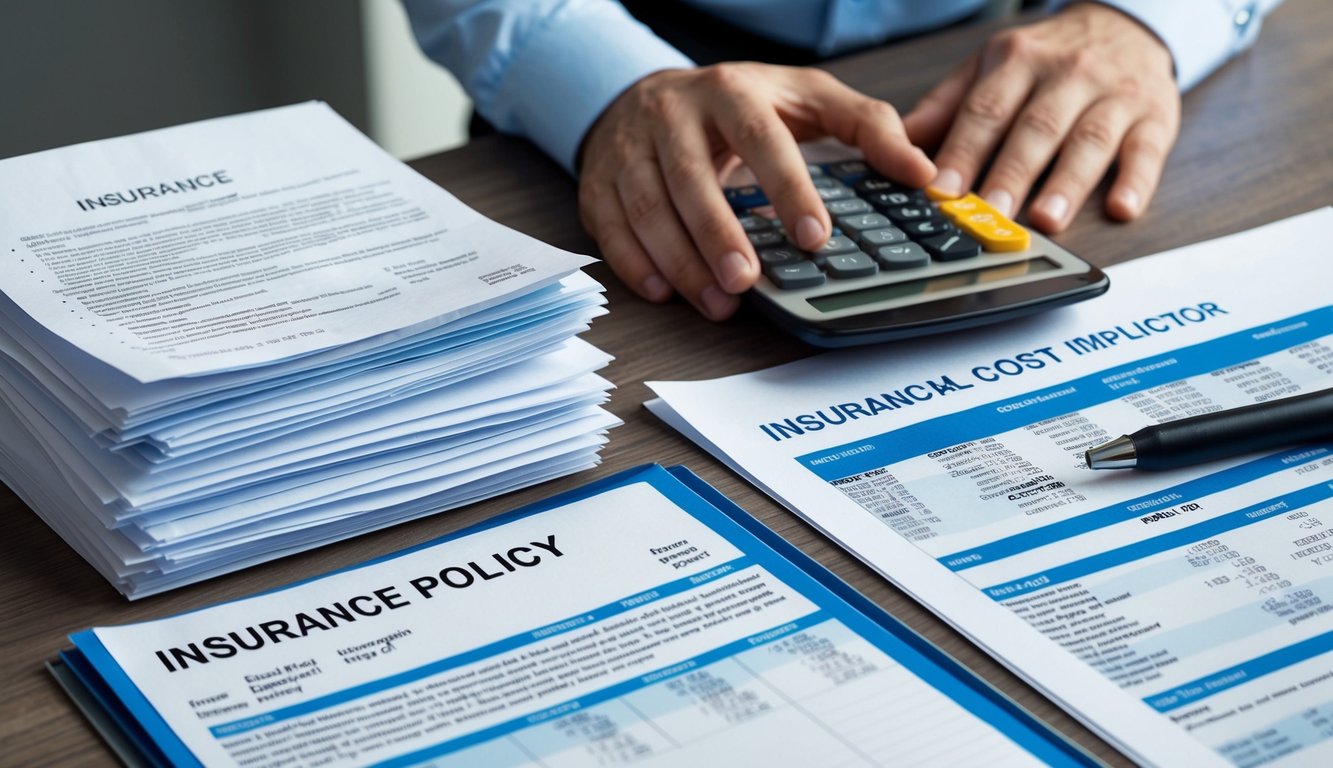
x=544, y=69
x=1201, y=34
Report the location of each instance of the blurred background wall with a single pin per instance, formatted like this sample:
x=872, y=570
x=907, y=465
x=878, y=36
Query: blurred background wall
x=77, y=70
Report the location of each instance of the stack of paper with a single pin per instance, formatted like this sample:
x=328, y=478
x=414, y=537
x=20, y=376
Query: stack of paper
x=236, y=339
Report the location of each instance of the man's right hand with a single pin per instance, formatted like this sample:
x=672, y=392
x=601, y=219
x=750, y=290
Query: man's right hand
x=649, y=189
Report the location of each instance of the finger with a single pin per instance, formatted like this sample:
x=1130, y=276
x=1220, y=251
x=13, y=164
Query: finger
x=692, y=182
x=754, y=131
x=1084, y=158
x=599, y=206
x=984, y=115
x=929, y=120
x=649, y=210
x=1037, y=133
x=871, y=125
x=1142, y=158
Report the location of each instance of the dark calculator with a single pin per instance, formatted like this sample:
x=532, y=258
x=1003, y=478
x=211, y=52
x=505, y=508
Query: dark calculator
x=902, y=262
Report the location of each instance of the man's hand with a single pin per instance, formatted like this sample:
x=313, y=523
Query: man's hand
x=1089, y=84
x=649, y=179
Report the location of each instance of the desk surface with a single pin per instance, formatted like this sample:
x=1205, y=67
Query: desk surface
x=1252, y=150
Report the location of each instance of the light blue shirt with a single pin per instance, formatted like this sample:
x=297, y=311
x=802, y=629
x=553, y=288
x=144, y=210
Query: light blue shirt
x=545, y=69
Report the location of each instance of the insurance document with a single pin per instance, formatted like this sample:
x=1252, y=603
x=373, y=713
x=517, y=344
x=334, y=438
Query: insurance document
x=246, y=240
x=1187, y=615
x=643, y=620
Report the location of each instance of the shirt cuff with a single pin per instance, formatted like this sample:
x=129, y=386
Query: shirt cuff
x=1201, y=35
x=571, y=70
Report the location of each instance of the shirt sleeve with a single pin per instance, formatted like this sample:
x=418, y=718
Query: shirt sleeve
x=1201, y=34
x=543, y=69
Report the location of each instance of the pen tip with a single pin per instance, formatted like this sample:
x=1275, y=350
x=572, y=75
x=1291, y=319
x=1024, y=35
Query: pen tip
x=1117, y=454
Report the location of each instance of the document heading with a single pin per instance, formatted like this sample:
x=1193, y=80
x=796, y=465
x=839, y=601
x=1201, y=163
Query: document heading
x=372, y=603
x=160, y=189
x=989, y=372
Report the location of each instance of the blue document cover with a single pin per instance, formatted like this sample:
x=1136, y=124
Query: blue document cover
x=643, y=619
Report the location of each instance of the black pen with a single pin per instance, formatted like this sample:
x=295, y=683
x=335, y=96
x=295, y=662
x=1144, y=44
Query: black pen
x=1197, y=439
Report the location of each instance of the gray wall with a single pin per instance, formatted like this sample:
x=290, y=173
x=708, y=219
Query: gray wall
x=76, y=70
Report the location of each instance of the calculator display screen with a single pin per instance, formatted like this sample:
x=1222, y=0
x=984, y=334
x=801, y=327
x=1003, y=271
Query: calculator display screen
x=928, y=285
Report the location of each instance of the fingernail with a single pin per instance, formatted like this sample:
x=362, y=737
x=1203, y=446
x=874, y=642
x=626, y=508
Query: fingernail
x=950, y=181
x=717, y=302
x=1054, y=207
x=1002, y=201
x=1130, y=199
x=735, y=268
x=655, y=288
x=810, y=233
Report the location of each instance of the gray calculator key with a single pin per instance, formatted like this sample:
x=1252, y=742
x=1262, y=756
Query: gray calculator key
x=849, y=169
x=815, y=170
x=875, y=238
x=860, y=222
x=895, y=198
x=826, y=182
x=849, y=265
x=902, y=256
x=752, y=223
x=802, y=274
x=834, y=193
x=836, y=244
x=849, y=205
x=766, y=238
x=776, y=256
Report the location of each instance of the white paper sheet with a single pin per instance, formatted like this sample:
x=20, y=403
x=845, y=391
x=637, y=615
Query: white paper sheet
x=1184, y=614
x=246, y=240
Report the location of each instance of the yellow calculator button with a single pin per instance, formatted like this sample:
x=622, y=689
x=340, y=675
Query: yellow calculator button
x=937, y=194
x=995, y=231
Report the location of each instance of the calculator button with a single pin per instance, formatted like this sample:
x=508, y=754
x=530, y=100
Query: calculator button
x=951, y=246
x=751, y=223
x=927, y=227
x=826, y=182
x=802, y=274
x=872, y=184
x=995, y=231
x=874, y=238
x=834, y=193
x=815, y=170
x=848, y=265
x=937, y=194
x=850, y=205
x=905, y=213
x=894, y=199
x=859, y=222
x=745, y=197
x=836, y=244
x=902, y=256
x=776, y=256
x=766, y=238
x=849, y=171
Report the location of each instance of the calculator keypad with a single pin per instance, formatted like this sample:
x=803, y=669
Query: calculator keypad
x=879, y=226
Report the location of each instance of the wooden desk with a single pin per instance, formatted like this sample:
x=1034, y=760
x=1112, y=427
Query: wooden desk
x=1253, y=149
